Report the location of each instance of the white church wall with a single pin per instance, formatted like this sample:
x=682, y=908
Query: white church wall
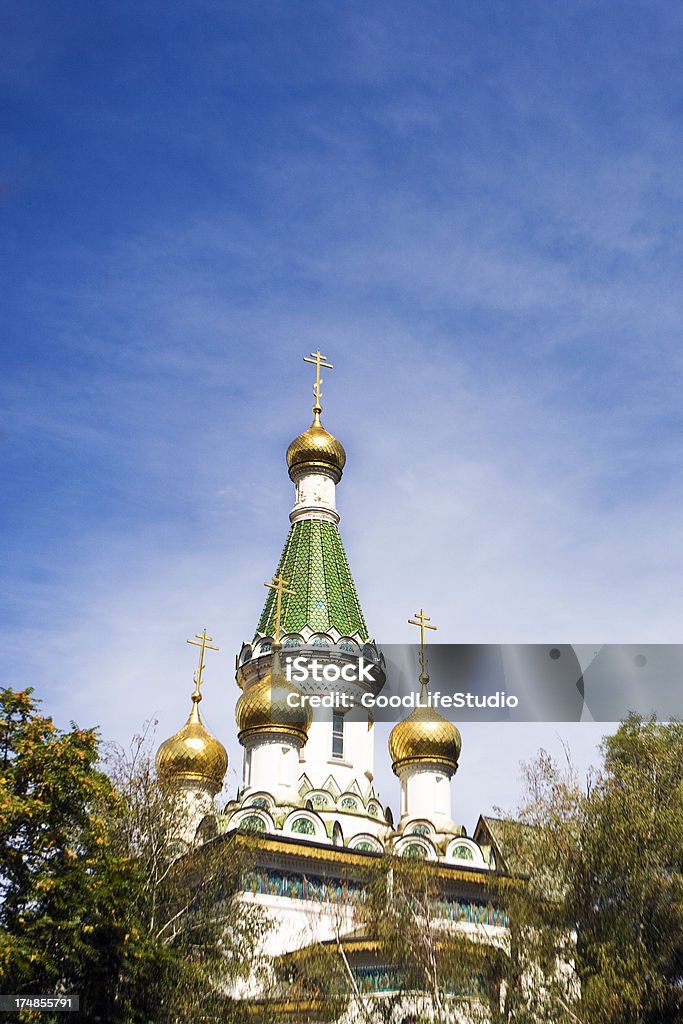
x=192, y=801
x=272, y=764
x=356, y=763
x=426, y=793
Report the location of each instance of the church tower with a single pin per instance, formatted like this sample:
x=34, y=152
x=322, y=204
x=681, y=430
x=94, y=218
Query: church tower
x=191, y=764
x=306, y=808
x=316, y=611
x=307, y=782
x=424, y=750
x=271, y=730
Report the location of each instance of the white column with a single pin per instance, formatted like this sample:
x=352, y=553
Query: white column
x=272, y=766
x=426, y=793
x=193, y=800
x=315, y=496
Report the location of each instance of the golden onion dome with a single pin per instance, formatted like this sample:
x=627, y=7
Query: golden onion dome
x=316, y=447
x=192, y=754
x=425, y=736
x=264, y=708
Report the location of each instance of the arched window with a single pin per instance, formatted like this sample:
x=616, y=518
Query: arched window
x=414, y=851
x=303, y=826
x=253, y=823
x=462, y=853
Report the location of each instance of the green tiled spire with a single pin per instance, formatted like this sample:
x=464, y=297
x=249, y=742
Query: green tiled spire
x=315, y=567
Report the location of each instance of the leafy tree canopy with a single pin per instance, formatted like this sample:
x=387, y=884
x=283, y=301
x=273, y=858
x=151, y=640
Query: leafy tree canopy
x=65, y=923
x=92, y=899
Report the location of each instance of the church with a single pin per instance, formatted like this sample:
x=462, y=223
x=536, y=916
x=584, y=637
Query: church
x=307, y=798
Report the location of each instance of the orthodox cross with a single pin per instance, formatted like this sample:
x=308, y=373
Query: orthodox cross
x=279, y=585
x=205, y=643
x=318, y=360
x=422, y=621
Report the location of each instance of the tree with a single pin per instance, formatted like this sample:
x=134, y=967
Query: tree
x=190, y=906
x=64, y=892
x=627, y=885
x=393, y=954
x=94, y=900
x=539, y=846
x=442, y=974
x=597, y=931
x=591, y=879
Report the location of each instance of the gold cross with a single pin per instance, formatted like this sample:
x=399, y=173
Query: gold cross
x=422, y=621
x=205, y=643
x=279, y=585
x=318, y=360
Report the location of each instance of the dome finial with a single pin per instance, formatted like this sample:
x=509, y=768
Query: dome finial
x=422, y=621
x=318, y=360
x=316, y=450
x=424, y=737
x=193, y=754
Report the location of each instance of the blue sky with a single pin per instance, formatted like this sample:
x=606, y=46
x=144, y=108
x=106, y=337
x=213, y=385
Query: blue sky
x=473, y=209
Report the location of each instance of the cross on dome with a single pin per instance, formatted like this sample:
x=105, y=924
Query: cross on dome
x=318, y=360
x=423, y=621
x=204, y=642
x=279, y=585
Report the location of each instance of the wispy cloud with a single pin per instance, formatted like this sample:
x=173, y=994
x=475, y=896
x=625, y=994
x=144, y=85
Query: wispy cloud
x=475, y=215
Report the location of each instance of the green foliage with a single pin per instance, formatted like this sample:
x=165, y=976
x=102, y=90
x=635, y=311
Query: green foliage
x=314, y=977
x=593, y=892
x=92, y=900
x=187, y=902
x=65, y=924
x=442, y=963
x=596, y=933
x=100, y=897
x=627, y=891
x=538, y=978
x=431, y=970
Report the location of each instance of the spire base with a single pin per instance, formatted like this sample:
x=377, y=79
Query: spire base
x=325, y=515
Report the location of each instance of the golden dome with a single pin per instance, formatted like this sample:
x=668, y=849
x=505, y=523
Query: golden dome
x=316, y=447
x=263, y=708
x=424, y=736
x=193, y=754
